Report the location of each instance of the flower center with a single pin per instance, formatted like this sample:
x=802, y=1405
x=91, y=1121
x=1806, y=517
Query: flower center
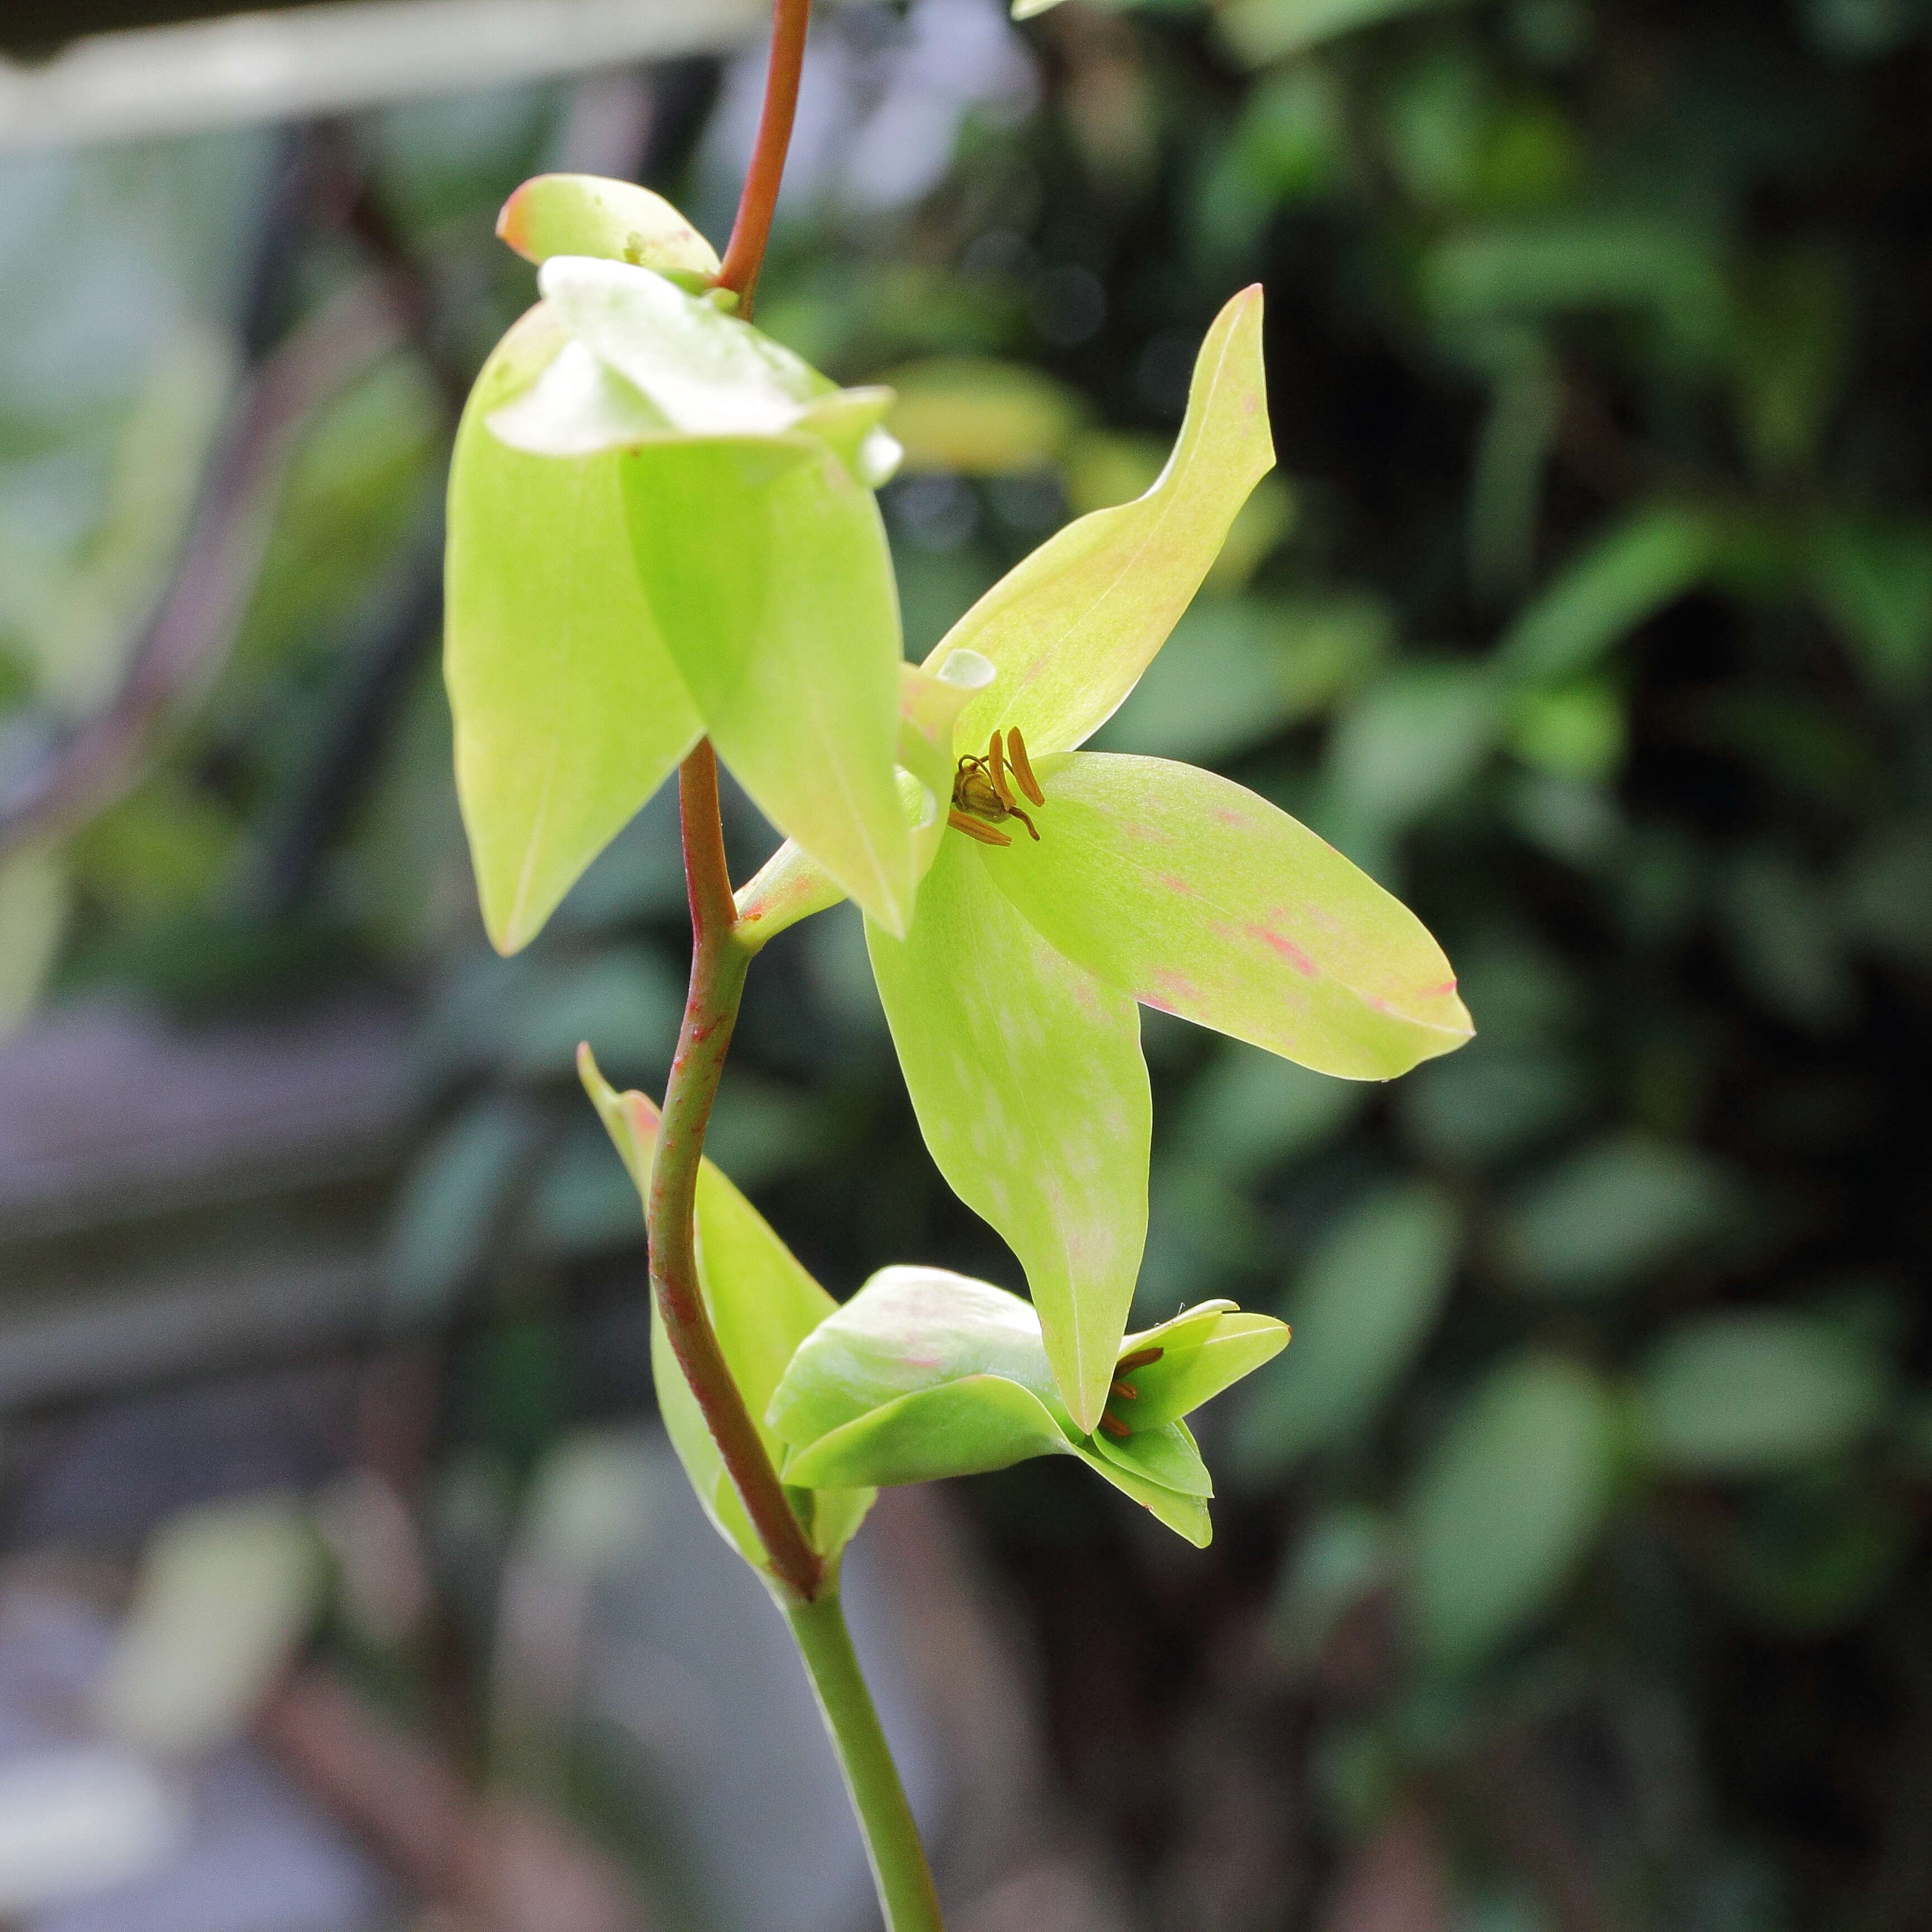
x=1123, y=1390
x=982, y=790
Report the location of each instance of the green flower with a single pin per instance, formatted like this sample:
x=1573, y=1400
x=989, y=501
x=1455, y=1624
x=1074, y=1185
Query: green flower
x=1065, y=886
x=924, y=1373
x=661, y=526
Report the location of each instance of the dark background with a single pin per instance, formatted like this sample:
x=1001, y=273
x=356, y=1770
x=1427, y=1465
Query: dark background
x=1571, y=1571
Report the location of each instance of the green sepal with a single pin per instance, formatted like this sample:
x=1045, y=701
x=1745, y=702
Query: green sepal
x=1026, y=1074
x=568, y=710
x=1165, y=1453
x=588, y=215
x=966, y=1428
x=762, y=1305
x=1198, y=897
x=768, y=573
x=1072, y=627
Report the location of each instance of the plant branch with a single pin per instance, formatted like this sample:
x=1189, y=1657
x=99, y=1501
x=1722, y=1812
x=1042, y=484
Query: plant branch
x=718, y=965
x=745, y=253
x=906, y=1896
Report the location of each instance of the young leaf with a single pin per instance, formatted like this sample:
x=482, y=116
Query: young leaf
x=763, y=1304
x=1198, y=898
x=1027, y=1076
x=569, y=711
x=587, y=214
x=1072, y=627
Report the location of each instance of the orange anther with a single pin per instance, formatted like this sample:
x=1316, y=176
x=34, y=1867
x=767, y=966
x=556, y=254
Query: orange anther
x=1113, y=1426
x=996, y=770
x=1139, y=1359
x=1126, y=1391
x=974, y=829
x=1016, y=756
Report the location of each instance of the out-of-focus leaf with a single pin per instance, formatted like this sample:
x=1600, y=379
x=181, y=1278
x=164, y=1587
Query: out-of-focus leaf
x=1490, y=1100
x=1534, y=268
x=1411, y=739
x=33, y=916
x=1789, y=941
x=1749, y=1391
x=569, y=712
x=1615, y=1209
x=1251, y=1110
x=973, y=416
x=1811, y=1554
x=763, y=1304
x=587, y=214
x=1620, y=579
x=1873, y=578
x=1202, y=899
x=1361, y=1310
x=1073, y=626
x=1262, y=30
x=1344, y=1556
x=1794, y=330
x=1503, y=1506
x=1234, y=672
x=226, y=1592
x=450, y=1210
x=1570, y=730
x=1888, y=893
x=1027, y=1076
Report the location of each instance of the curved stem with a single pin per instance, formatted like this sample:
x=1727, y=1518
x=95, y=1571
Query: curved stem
x=718, y=964
x=906, y=1896
x=721, y=951
x=744, y=253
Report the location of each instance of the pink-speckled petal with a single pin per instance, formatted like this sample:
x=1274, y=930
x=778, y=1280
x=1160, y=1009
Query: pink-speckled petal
x=1025, y=1071
x=1202, y=899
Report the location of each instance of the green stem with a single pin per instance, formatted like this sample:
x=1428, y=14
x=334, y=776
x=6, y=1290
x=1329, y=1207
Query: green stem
x=899, y=1871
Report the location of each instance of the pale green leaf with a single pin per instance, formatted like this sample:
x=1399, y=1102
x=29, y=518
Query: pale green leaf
x=763, y=1304
x=1072, y=627
x=1747, y=1391
x=569, y=711
x=766, y=567
x=1200, y=898
x=1027, y=1076
x=1504, y=1506
x=588, y=215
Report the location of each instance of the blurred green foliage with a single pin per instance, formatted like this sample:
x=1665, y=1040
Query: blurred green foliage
x=1594, y=614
